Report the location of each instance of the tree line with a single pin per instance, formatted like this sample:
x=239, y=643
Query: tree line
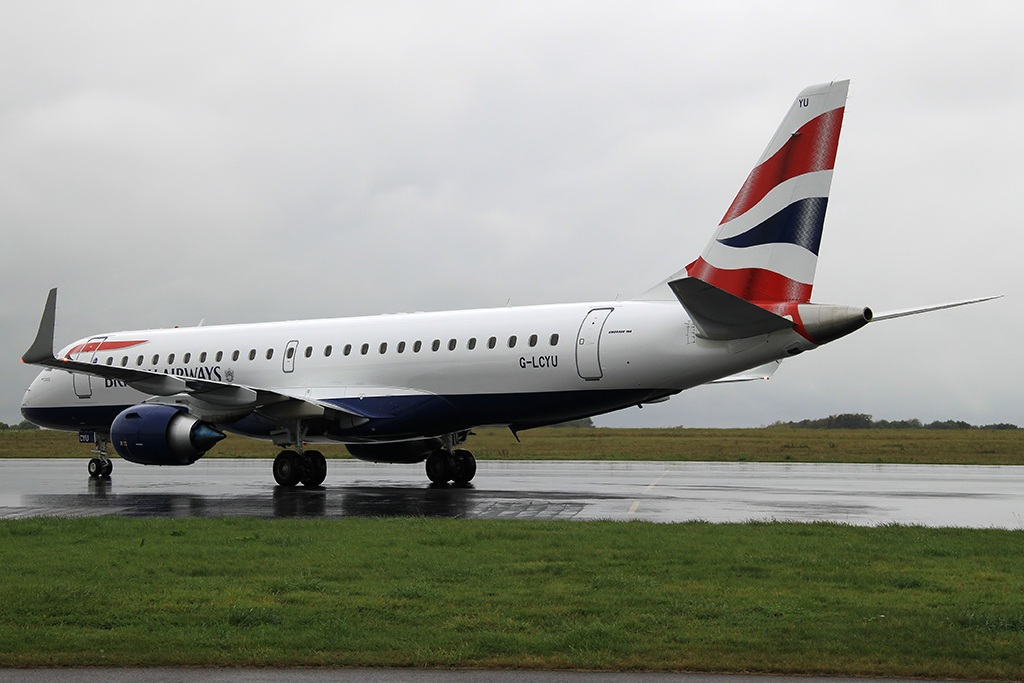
x=863, y=421
x=24, y=424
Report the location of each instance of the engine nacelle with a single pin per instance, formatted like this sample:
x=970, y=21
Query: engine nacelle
x=398, y=452
x=152, y=434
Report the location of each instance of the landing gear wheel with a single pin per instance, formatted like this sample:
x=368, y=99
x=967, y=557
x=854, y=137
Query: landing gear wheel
x=439, y=466
x=95, y=468
x=287, y=468
x=464, y=466
x=314, y=469
x=106, y=468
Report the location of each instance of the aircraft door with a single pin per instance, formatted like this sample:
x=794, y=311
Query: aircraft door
x=588, y=341
x=87, y=354
x=289, y=355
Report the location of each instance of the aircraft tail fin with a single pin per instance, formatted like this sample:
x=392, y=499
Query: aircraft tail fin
x=766, y=247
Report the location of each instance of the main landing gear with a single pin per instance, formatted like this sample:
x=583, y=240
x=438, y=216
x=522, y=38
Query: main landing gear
x=444, y=465
x=306, y=467
x=101, y=467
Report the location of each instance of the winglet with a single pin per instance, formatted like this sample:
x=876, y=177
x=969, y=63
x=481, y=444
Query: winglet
x=41, y=350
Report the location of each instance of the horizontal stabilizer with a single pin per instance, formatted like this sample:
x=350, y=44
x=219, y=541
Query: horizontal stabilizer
x=720, y=315
x=888, y=315
x=760, y=372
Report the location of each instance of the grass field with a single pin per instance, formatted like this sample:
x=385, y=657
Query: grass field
x=769, y=597
x=759, y=597
x=975, y=446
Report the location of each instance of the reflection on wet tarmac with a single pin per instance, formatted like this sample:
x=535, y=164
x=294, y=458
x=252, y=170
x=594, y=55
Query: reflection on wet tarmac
x=933, y=495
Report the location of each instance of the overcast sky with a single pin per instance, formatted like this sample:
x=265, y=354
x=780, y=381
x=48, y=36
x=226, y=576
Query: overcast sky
x=163, y=163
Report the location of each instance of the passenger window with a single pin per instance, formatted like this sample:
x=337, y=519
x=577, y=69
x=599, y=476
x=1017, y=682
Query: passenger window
x=364, y=349
x=554, y=339
x=512, y=342
x=220, y=356
x=533, y=340
x=156, y=358
x=492, y=342
x=234, y=355
x=270, y=353
x=383, y=348
x=202, y=357
x=186, y=358
x=348, y=349
x=309, y=351
x=252, y=354
x=110, y=360
x=290, y=353
x=138, y=361
x=170, y=359
x=435, y=345
x=124, y=361
x=471, y=344
x=328, y=350
x=452, y=344
x=401, y=347
x=417, y=346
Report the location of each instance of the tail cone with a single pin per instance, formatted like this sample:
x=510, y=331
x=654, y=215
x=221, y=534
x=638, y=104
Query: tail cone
x=828, y=322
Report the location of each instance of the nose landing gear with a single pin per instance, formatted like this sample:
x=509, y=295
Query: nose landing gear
x=101, y=466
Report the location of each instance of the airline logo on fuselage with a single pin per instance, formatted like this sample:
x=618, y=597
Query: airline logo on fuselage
x=201, y=372
x=90, y=347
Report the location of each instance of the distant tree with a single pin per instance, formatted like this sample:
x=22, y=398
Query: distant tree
x=25, y=424
x=850, y=421
x=949, y=424
x=862, y=421
x=4, y=425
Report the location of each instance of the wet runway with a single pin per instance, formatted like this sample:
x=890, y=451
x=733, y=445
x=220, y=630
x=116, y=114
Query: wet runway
x=931, y=495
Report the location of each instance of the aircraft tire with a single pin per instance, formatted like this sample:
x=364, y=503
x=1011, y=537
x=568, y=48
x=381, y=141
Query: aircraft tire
x=287, y=468
x=106, y=468
x=95, y=468
x=315, y=469
x=464, y=466
x=439, y=466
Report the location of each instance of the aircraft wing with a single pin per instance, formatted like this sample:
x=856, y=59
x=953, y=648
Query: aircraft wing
x=207, y=396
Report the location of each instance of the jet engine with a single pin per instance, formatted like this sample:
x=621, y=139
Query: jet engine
x=152, y=434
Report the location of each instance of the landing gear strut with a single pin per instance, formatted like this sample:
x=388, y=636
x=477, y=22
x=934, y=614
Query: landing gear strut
x=444, y=465
x=101, y=466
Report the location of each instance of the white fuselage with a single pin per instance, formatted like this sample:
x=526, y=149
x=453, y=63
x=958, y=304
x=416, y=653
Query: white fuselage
x=522, y=366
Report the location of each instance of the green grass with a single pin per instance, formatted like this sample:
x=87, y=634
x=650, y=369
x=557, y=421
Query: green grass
x=764, y=597
x=961, y=447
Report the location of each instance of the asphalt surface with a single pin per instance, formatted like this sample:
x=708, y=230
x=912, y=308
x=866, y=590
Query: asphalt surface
x=930, y=495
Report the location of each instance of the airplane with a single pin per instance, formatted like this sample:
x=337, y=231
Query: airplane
x=409, y=388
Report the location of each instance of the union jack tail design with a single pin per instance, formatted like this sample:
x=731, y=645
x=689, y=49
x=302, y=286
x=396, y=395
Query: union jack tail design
x=766, y=247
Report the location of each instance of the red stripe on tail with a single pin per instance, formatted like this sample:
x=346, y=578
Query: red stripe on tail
x=812, y=148
x=752, y=284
